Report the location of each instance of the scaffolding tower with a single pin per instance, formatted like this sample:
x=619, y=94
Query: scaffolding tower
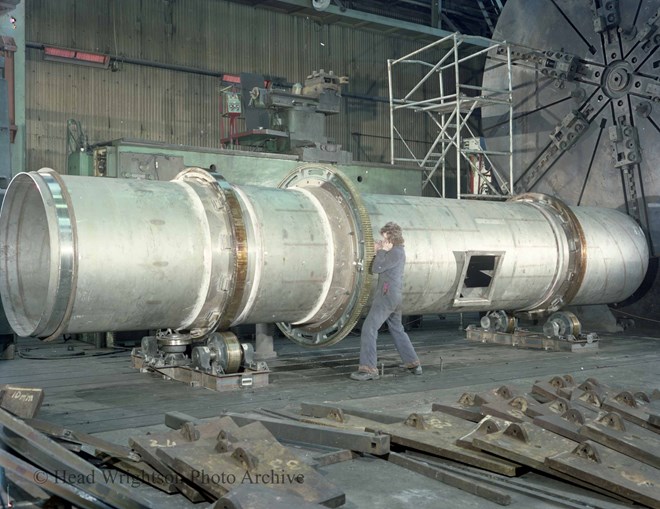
x=452, y=105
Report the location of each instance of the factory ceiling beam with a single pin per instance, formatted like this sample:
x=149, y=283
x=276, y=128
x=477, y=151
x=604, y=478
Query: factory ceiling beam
x=449, y=23
x=353, y=18
x=7, y=5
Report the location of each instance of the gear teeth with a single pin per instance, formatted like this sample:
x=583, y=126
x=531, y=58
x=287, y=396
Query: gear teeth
x=364, y=278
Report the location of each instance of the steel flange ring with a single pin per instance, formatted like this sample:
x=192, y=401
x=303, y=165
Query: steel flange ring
x=338, y=196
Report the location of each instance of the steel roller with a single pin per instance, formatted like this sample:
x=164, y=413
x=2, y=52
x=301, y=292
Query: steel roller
x=84, y=254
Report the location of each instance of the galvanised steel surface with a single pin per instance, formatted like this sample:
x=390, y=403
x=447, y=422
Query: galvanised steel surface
x=69, y=272
x=530, y=247
x=83, y=254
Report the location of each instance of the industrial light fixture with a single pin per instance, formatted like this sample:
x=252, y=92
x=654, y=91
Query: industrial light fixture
x=321, y=5
x=74, y=56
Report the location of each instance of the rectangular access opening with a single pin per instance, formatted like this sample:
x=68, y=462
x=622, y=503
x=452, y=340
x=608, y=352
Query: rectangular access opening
x=479, y=270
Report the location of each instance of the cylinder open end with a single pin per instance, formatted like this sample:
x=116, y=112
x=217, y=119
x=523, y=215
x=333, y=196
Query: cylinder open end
x=37, y=254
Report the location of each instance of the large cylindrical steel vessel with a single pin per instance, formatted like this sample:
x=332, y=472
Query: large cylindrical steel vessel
x=91, y=254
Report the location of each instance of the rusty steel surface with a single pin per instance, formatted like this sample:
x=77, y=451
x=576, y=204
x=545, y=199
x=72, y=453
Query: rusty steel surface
x=530, y=445
x=175, y=419
x=473, y=407
x=532, y=340
x=23, y=402
x=503, y=392
x=524, y=443
x=468, y=405
x=550, y=390
x=486, y=426
x=61, y=433
x=654, y=410
x=365, y=442
x=611, y=471
x=60, y=462
x=468, y=485
x=625, y=437
x=558, y=406
x=226, y=456
x=347, y=422
x=220, y=383
x=338, y=413
x=587, y=402
x=505, y=410
x=631, y=408
x=140, y=470
x=577, y=257
x=258, y=497
x=560, y=425
x=467, y=411
x=51, y=484
x=147, y=446
x=437, y=433
x=240, y=248
x=332, y=458
x=522, y=485
x=529, y=406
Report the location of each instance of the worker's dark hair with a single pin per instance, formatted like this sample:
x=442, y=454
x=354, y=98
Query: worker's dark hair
x=395, y=233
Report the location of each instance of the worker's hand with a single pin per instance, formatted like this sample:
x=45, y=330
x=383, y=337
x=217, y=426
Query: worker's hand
x=378, y=244
x=386, y=245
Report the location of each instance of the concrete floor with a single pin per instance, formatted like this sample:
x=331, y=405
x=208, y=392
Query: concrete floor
x=103, y=394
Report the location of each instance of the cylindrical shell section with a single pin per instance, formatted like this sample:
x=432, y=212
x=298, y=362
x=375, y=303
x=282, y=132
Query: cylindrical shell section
x=290, y=255
x=142, y=254
x=467, y=255
x=91, y=254
x=617, y=256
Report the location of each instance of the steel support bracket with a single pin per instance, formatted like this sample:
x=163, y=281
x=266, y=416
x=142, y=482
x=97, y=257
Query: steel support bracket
x=611, y=471
x=605, y=14
x=59, y=461
x=370, y=443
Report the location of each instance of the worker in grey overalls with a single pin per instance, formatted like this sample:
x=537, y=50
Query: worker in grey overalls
x=388, y=264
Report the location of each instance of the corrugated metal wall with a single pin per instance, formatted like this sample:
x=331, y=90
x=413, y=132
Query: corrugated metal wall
x=182, y=107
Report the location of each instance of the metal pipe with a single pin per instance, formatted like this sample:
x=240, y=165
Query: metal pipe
x=83, y=254
x=391, y=99
x=7, y=49
x=277, y=80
